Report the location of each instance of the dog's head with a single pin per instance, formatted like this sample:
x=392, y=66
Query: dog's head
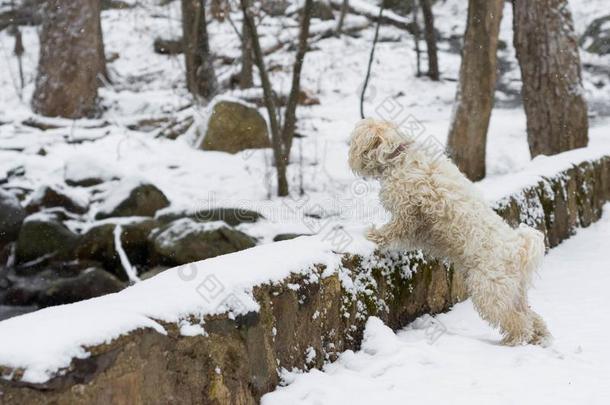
x=374, y=145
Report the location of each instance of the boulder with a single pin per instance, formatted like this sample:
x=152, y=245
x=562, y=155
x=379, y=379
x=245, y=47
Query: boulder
x=51, y=287
x=287, y=236
x=132, y=199
x=9, y=311
x=43, y=235
x=322, y=10
x=11, y=217
x=596, y=38
x=97, y=243
x=233, y=127
x=232, y=216
x=54, y=196
x=83, y=171
x=275, y=8
x=185, y=241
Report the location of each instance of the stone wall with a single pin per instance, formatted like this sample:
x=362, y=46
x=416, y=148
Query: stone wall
x=238, y=360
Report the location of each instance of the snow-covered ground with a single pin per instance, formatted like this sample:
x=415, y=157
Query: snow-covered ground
x=455, y=358
x=148, y=85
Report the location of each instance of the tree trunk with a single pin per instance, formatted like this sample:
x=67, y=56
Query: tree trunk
x=416, y=35
x=70, y=59
x=200, y=75
x=276, y=140
x=475, y=93
x=103, y=77
x=552, y=90
x=291, y=105
x=245, y=76
x=343, y=13
x=430, y=37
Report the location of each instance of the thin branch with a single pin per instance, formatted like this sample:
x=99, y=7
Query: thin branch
x=371, y=56
x=291, y=105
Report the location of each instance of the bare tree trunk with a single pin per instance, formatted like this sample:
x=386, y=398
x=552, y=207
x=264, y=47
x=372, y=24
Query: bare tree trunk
x=70, y=59
x=276, y=140
x=245, y=76
x=552, y=91
x=430, y=37
x=18, y=51
x=343, y=13
x=475, y=93
x=200, y=75
x=103, y=72
x=291, y=105
x=281, y=136
x=416, y=35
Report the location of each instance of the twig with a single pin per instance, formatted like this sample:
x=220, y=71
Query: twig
x=230, y=20
x=371, y=56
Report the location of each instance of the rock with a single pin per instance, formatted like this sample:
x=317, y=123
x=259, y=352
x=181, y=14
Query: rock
x=9, y=311
x=322, y=10
x=233, y=127
x=54, y=196
x=185, y=241
x=166, y=46
x=153, y=272
x=287, y=236
x=11, y=217
x=131, y=198
x=85, y=172
x=43, y=235
x=307, y=98
x=232, y=216
x=275, y=8
x=51, y=287
x=596, y=38
x=97, y=244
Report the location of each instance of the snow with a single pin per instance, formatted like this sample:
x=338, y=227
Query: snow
x=184, y=227
x=85, y=167
x=130, y=271
x=335, y=205
x=457, y=358
x=147, y=85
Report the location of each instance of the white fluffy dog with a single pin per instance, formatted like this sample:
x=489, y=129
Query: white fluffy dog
x=435, y=208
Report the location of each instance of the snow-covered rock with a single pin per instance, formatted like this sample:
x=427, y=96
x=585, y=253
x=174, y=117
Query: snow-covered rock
x=11, y=217
x=131, y=198
x=185, y=240
x=43, y=235
x=55, y=196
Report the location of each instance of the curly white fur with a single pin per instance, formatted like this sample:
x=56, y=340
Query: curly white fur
x=435, y=208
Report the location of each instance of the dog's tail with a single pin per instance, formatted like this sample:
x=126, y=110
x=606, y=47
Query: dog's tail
x=532, y=251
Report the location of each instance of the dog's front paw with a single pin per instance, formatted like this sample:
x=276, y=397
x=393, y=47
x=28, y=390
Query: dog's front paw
x=375, y=236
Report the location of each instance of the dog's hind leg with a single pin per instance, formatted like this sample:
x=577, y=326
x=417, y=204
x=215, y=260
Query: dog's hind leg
x=542, y=336
x=498, y=300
